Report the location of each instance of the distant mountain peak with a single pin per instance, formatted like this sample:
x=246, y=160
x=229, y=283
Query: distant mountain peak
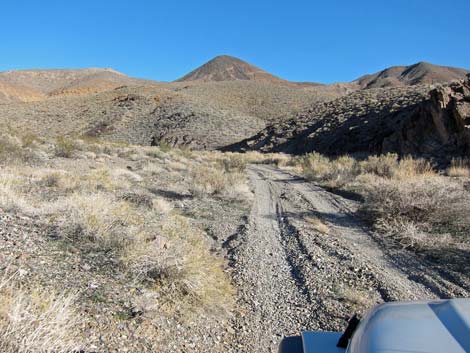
x=420, y=73
x=229, y=68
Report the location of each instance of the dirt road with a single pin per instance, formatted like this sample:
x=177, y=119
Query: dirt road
x=307, y=261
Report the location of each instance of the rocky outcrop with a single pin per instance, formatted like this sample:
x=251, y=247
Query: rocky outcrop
x=418, y=121
x=438, y=127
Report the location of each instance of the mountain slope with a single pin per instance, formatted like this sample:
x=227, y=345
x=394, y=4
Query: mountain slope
x=229, y=68
x=27, y=85
x=420, y=73
x=414, y=120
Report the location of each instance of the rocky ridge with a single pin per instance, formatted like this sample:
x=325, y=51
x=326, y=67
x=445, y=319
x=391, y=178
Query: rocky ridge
x=417, y=120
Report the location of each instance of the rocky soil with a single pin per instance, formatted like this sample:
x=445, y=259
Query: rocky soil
x=294, y=275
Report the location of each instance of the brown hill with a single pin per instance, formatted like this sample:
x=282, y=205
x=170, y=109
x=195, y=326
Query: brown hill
x=10, y=92
x=229, y=68
x=420, y=73
x=27, y=85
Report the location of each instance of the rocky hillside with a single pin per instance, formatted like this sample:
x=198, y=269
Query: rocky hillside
x=219, y=104
x=106, y=104
x=420, y=73
x=407, y=120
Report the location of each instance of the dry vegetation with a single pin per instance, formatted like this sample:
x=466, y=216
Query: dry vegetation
x=406, y=199
x=103, y=201
x=36, y=320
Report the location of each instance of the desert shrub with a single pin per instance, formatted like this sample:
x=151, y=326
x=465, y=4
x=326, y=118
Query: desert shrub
x=208, y=180
x=140, y=200
x=161, y=206
x=12, y=194
x=332, y=172
x=213, y=180
x=64, y=147
x=99, y=218
x=179, y=264
x=459, y=167
x=410, y=168
x=343, y=170
x=36, y=320
x=30, y=140
x=164, y=146
x=13, y=150
x=383, y=166
x=417, y=211
x=234, y=162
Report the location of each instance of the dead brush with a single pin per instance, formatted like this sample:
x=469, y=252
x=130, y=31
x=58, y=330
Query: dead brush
x=415, y=211
x=98, y=218
x=459, y=167
x=214, y=180
x=179, y=264
x=317, y=224
x=36, y=320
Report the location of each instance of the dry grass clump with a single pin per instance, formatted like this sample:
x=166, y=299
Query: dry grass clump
x=317, y=224
x=215, y=180
x=459, y=167
x=359, y=299
x=36, y=320
x=335, y=172
x=420, y=213
x=64, y=147
x=179, y=264
x=344, y=170
x=161, y=206
x=13, y=194
x=99, y=218
x=20, y=149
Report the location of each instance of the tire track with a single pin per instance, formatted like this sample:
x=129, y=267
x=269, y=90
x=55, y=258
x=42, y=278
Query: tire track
x=291, y=277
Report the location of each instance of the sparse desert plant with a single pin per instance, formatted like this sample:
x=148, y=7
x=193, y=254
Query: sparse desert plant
x=234, y=162
x=12, y=197
x=179, y=264
x=410, y=168
x=36, y=320
x=332, y=172
x=207, y=180
x=383, y=166
x=459, y=167
x=410, y=209
x=358, y=298
x=64, y=147
x=161, y=206
x=99, y=218
x=317, y=224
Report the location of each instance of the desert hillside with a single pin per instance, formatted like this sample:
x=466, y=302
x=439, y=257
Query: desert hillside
x=418, y=120
x=217, y=105
x=28, y=85
x=416, y=74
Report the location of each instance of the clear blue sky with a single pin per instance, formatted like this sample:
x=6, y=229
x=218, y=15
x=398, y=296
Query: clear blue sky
x=308, y=40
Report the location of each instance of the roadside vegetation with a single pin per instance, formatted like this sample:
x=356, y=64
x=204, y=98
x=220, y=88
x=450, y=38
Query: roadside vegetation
x=121, y=213
x=420, y=207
